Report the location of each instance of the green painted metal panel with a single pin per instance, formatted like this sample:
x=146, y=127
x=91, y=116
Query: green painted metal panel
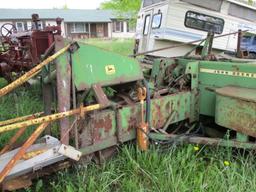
x=236, y=109
x=213, y=75
x=103, y=125
x=93, y=65
x=161, y=109
x=192, y=70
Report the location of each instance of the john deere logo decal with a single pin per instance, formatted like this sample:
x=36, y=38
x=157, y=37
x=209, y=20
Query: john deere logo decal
x=110, y=69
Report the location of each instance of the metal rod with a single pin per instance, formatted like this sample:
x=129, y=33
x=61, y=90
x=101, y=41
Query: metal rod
x=10, y=121
x=170, y=118
x=74, y=100
x=13, y=140
x=5, y=90
x=49, y=118
x=48, y=51
x=9, y=166
x=180, y=45
x=239, y=53
x=202, y=140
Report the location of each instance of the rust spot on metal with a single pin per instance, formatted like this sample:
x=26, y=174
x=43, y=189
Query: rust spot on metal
x=105, y=123
x=133, y=120
x=133, y=123
x=158, y=117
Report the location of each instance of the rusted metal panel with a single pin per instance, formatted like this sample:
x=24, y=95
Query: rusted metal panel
x=116, y=123
x=161, y=109
x=236, y=109
x=97, y=127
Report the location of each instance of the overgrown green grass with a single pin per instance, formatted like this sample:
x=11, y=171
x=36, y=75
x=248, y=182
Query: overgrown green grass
x=172, y=168
x=121, y=46
x=24, y=101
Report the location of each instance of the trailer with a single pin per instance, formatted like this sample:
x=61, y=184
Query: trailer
x=163, y=23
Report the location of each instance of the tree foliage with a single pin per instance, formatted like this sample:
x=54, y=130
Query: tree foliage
x=250, y=2
x=123, y=8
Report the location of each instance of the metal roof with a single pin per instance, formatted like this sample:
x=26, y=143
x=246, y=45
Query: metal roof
x=69, y=15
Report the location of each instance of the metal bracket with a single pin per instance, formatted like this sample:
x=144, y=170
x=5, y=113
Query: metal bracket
x=70, y=152
x=74, y=46
x=100, y=95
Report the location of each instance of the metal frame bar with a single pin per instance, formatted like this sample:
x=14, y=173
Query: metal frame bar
x=22, y=151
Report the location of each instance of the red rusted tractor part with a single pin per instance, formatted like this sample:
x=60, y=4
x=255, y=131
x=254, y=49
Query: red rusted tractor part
x=21, y=51
x=7, y=29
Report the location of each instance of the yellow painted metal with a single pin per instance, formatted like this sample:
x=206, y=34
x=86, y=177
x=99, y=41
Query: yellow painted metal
x=7, y=89
x=142, y=130
x=9, y=166
x=49, y=118
x=13, y=140
x=18, y=134
x=10, y=121
x=32, y=154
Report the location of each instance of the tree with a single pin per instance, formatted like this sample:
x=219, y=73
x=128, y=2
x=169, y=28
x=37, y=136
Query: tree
x=65, y=6
x=123, y=8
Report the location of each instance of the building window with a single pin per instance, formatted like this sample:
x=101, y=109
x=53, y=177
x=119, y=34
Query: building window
x=118, y=26
x=39, y=24
x=21, y=26
x=204, y=22
x=146, y=25
x=79, y=28
x=157, y=20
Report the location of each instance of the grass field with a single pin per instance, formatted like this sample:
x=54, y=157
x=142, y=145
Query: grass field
x=169, y=168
